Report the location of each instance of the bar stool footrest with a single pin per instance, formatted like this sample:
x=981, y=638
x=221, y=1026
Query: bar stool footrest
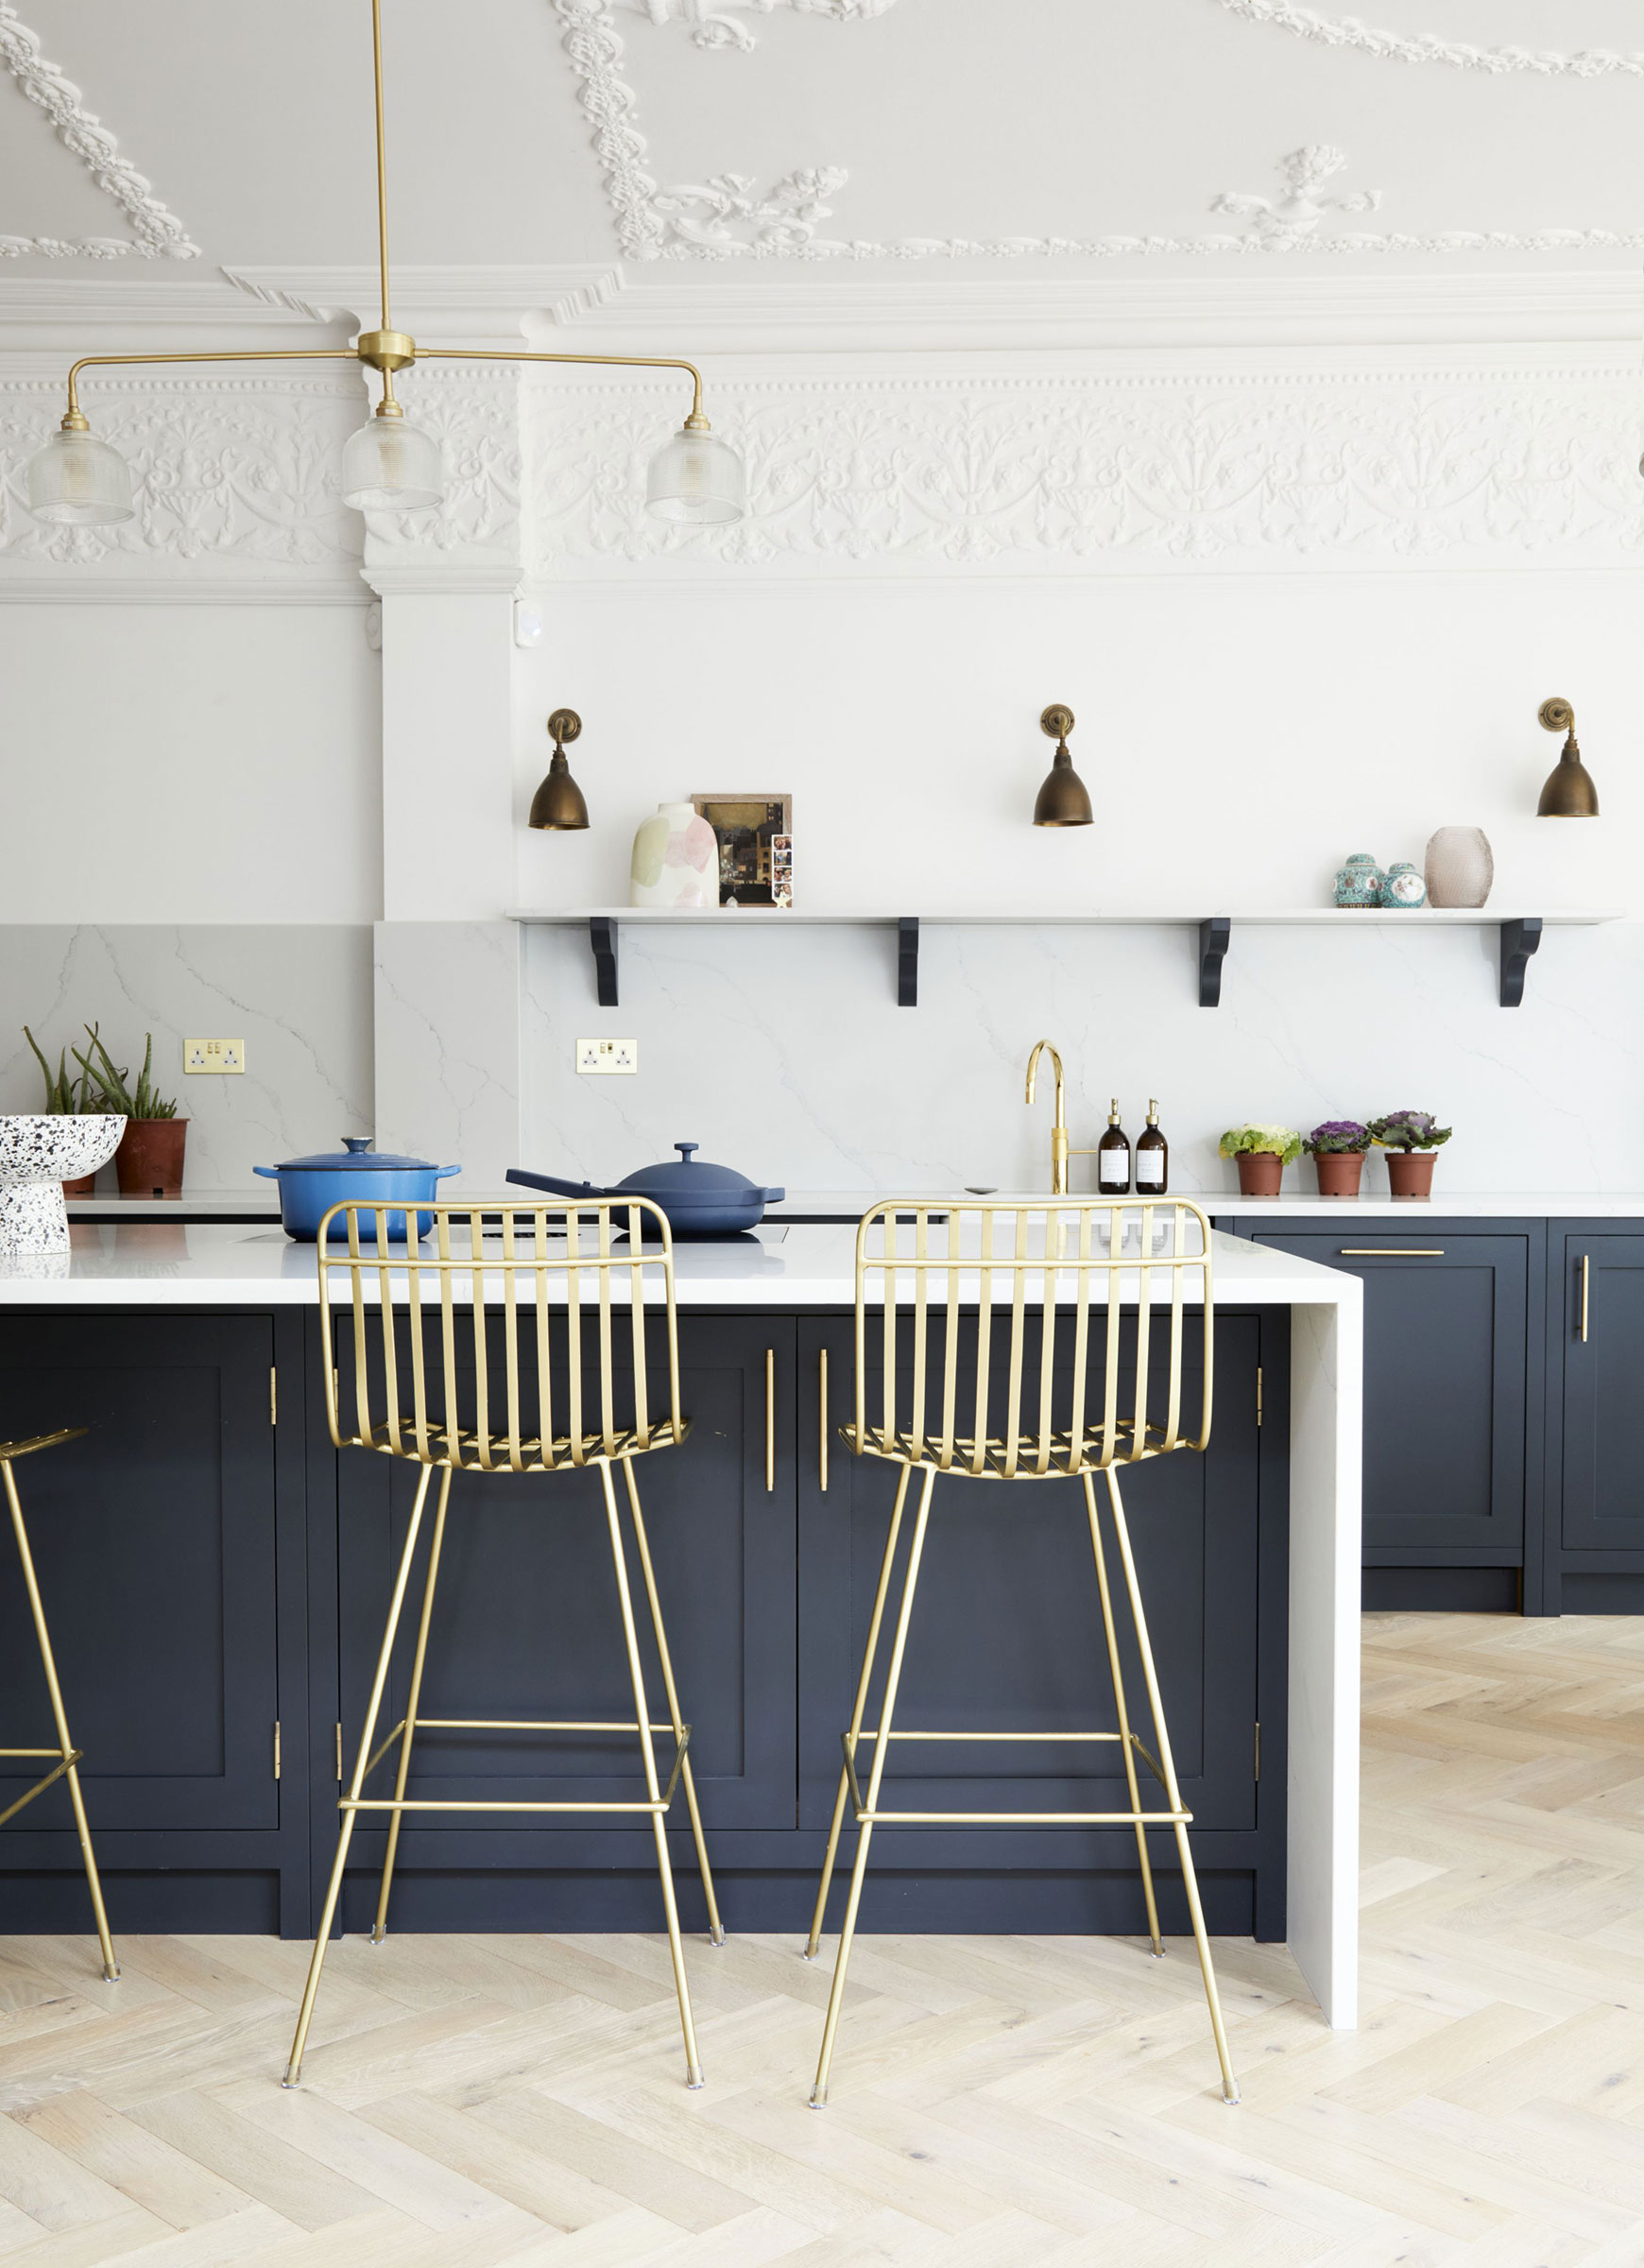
x=347, y=1804
x=66, y=1763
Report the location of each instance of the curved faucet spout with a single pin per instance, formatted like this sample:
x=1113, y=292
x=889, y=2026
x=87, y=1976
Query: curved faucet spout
x=1059, y=1124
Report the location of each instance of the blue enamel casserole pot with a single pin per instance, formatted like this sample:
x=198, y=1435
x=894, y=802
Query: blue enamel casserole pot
x=356, y=1174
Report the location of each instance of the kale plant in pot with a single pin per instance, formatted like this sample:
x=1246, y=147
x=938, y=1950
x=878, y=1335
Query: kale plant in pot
x=149, y=1159
x=1261, y=1154
x=1337, y=1148
x=1410, y=1138
x=68, y=1098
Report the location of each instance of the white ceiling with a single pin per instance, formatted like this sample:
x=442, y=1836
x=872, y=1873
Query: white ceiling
x=1011, y=129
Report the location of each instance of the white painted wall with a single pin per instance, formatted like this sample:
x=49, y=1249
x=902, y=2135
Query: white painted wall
x=189, y=763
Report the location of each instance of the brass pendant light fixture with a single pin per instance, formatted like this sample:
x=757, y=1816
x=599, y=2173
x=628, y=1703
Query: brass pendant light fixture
x=1569, y=793
x=1063, y=800
x=557, y=806
x=76, y=480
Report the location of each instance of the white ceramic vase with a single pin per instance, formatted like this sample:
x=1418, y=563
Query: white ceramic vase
x=39, y=1152
x=675, y=860
x=1459, y=868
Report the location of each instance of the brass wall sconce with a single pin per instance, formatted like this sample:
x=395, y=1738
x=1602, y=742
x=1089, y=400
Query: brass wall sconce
x=558, y=805
x=1062, y=800
x=1569, y=793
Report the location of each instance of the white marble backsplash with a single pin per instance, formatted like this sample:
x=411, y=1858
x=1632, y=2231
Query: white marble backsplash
x=786, y=1056
x=299, y=995
x=448, y=1046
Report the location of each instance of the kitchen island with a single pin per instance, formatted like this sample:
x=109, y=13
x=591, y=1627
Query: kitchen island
x=216, y=1570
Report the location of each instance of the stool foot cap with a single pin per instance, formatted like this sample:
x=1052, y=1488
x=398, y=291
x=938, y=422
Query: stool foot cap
x=288, y=2082
x=818, y=2098
x=378, y=1936
x=694, y=2076
x=1230, y=2097
x=716, y=1937
x=111, y=1976
x=1156, y=1952
x=809, y=1952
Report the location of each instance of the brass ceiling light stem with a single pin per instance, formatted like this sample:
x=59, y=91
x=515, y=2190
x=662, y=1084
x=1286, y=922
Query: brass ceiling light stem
x=381, y=156
x=1570, y=792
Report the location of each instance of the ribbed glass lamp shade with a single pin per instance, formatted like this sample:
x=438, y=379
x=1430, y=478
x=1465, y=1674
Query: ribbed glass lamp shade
x=391, y=466
x=77, y=481
x=696, y=478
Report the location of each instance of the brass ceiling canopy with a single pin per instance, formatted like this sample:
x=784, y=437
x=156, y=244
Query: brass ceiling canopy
x=557, y=806
x=1569, y=793
x=1062, y=800
x=390, y=465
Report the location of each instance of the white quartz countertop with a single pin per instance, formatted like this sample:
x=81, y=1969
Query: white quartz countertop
x=129, y=1263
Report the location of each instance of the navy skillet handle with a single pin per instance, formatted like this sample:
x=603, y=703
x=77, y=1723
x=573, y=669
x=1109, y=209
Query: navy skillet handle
x=559, y=1189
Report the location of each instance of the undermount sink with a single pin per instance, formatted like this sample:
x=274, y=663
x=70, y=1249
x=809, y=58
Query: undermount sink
x=39, y=1152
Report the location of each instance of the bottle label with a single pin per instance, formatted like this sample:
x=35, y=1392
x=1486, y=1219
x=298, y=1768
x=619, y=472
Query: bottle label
x=1114, y=1180
x=1149, y=1169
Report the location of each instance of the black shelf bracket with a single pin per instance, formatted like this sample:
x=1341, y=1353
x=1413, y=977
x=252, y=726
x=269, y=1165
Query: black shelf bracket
x=1519, y=939
x=908, y=961
x=1214, y=938
x=602, y=935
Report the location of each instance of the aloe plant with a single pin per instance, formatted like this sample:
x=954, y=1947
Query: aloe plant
x=65, y=1096
x=110, y=1080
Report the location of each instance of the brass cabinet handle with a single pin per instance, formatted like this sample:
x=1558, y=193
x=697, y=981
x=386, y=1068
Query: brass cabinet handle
x=1390, y=1252
x=770, y=1419
x=822, y=1421
x=1586, y=1272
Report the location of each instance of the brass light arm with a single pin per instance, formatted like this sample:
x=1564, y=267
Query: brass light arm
x=620, y=361
x=75, y=421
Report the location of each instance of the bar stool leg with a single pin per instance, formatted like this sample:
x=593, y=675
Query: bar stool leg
x=642, y=1719
x=380, y=1929
x=345, y=1836
x=1191, y=1882
x=67, y=1746
x=881, y=1748
x=715, y=1927
x=1124, y=1739
x=869, y=1655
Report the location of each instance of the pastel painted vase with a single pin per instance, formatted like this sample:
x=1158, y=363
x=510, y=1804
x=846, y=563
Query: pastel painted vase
x=1359, y=883
x=1403, y=887
x=675, y=860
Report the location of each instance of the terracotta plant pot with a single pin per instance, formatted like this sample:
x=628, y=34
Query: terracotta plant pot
x=1338, y=1171
x=1259, y=1173
x=149, y=1159
x=1409, y=1172
x=85, y=1187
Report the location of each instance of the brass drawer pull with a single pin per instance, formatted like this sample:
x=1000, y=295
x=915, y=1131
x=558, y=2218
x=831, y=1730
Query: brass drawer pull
x=822, y=1421
x=1585, y=1271
x=770, y=1419
x=1390, y=1252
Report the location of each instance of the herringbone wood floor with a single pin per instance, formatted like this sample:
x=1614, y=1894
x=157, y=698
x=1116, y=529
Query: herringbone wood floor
x=996, y=2102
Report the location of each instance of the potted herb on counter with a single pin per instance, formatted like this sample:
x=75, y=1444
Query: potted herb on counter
x=1410, y=1138
x=1261, y=1153
x=149, y=1159
x=1337, y=1147
x=68, y=1098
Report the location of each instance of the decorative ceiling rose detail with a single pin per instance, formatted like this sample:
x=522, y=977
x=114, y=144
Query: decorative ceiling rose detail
x=1294, y=216
x=1427, y=47
x=160, y=235
x=713, y=25
x=725, y=219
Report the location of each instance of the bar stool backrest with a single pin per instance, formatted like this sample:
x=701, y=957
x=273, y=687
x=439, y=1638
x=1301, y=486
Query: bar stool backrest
x=549, y=1271
x=1095, y=1267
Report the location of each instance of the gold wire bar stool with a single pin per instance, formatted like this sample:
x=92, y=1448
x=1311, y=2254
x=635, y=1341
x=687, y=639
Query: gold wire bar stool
x=1061, y=1260
x=561, y=1268
x=68, y=1756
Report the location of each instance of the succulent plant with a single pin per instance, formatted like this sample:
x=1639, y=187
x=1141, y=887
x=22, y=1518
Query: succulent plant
x=65, y=1097
x=1337, y=1137
x=1408, y=1130
x=1283, y=1141
x=98, y=1067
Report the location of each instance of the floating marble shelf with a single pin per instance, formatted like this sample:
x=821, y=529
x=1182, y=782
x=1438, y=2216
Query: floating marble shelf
x=1519, y=933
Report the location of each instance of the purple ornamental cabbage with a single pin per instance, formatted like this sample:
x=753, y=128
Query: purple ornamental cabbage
x=1336, y=1137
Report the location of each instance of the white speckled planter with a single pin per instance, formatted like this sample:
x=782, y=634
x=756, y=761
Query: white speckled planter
x=38, y=1154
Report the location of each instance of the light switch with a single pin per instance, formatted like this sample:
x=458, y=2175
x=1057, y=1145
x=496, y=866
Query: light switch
x=214, y=1055
x=597, y=1057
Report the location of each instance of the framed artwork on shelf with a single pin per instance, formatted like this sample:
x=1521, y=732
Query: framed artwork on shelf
x=755, y=833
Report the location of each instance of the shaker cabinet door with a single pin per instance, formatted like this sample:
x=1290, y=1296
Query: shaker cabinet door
x=1602, y=1317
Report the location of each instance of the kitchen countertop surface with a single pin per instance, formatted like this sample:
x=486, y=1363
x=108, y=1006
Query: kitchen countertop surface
x=219, y=1265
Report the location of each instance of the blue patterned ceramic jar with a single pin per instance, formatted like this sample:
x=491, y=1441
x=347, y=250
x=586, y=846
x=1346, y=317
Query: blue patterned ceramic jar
x=1404, y=885
x=1360, y=881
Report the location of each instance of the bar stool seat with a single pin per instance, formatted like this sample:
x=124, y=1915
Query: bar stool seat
x=1037, y=1457
x=68, y=1757
x=477, y=1453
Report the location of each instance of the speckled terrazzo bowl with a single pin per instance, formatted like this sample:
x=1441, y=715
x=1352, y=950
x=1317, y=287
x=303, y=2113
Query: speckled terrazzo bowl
x=38, y=1154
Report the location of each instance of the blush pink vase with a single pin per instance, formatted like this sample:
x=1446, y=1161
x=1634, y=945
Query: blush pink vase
x=675, y=860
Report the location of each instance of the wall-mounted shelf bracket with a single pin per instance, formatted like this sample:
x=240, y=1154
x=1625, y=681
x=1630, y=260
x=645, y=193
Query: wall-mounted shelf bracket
x=907, y=960
x=602, y=935
x=1215, y=935
x=1519, y=939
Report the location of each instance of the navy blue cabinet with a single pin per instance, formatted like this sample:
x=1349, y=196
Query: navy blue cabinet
x=1595, y=1542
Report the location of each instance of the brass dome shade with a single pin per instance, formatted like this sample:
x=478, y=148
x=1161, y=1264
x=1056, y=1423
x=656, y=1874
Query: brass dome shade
x=558, y=805
x=1062, y=800
x=1569, y=793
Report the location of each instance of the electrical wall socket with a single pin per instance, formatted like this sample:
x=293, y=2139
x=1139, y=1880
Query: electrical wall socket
x=214, y=1055
x=596, y=1057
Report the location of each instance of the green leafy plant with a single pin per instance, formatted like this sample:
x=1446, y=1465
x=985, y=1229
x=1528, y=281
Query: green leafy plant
x=1336, y=1138
x=65, y=1096
x=1408, y=1130
x=110, y=1080
x=1283, y=1141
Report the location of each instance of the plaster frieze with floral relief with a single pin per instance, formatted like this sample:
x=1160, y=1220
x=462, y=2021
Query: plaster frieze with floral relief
x=156, y=231
x=1430, y=47
x=475, y=417
x=723, y=24
x=1526, y=468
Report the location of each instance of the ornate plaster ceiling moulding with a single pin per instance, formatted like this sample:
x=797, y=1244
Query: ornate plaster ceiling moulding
x=715, y=24
x=159, y=234
x=1427, y=47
